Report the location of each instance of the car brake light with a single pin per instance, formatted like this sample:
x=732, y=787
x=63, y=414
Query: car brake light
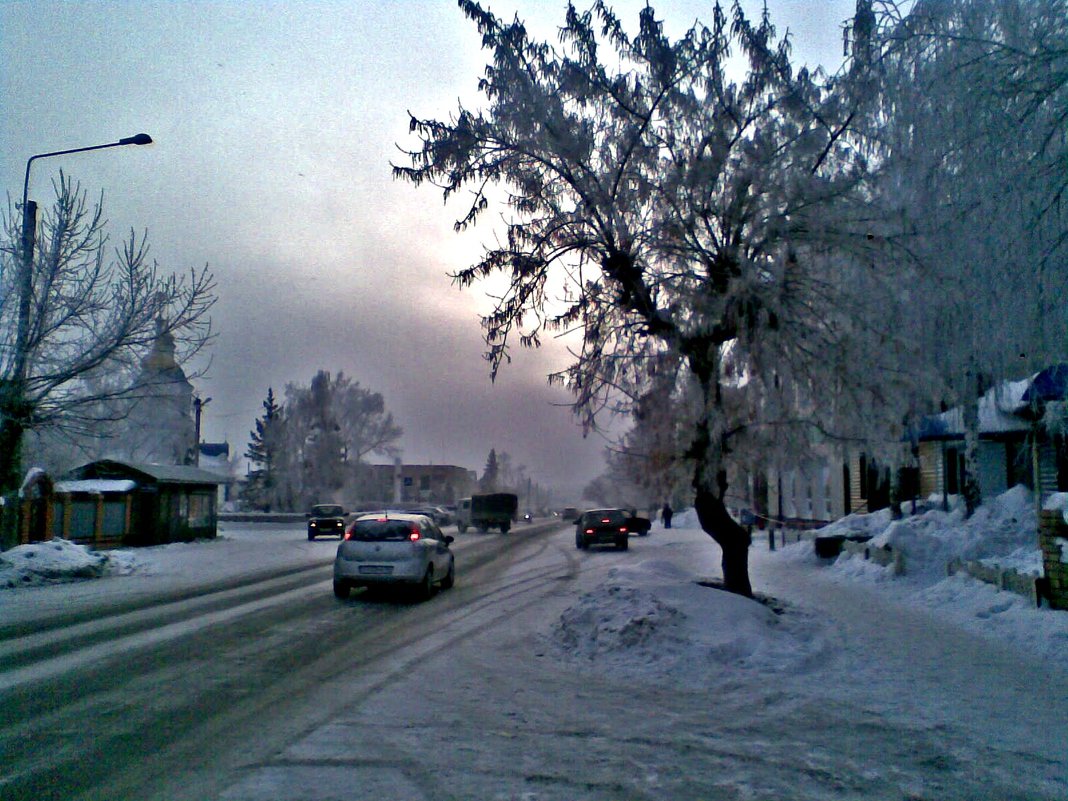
x=606, y=520
x=348, y=534
x=414, y=534
x=589, y=531
x=623, y=529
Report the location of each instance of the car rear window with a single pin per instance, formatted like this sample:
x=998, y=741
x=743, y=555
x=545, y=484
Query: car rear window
x=613, y=516
x=375, y=530
x=327, y=511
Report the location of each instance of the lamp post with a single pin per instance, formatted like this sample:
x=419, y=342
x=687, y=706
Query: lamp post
x=14, y=409
x=29, y=232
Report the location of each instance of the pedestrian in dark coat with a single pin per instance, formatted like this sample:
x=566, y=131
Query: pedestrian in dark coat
x=665, y=515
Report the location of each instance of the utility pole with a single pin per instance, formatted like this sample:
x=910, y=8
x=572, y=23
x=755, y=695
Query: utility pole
x=198, y=407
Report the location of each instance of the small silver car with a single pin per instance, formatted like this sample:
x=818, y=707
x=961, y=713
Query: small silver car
x=393, y=548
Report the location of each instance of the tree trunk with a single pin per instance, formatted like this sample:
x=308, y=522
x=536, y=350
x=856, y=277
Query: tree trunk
x=970, y=489
x=11, y=430
x=895, y=493
x=732, y=538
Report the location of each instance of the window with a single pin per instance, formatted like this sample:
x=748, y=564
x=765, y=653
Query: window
x=381, y=530
x=201, y=507
x=114, y=524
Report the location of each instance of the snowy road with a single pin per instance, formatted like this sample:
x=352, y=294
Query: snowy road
x=868, y=700
x=655, y=688
x=121, y=703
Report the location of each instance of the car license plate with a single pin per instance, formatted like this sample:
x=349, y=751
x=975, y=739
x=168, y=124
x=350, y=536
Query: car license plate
x=376, y=570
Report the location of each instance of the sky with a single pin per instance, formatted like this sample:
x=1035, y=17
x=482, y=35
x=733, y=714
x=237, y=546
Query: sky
x=274, y=124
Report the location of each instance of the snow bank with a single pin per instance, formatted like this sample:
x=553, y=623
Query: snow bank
x=58, y=561
x=1057, y=502
x=1002, y=531
x=687, y=518
x=653, y=619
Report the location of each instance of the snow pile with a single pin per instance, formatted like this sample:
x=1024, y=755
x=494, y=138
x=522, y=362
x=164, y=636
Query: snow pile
x=58, y=561
x=1002, y=531
x=1057, y=502
x=687, y=518
x=858, y=525
x=654, y=619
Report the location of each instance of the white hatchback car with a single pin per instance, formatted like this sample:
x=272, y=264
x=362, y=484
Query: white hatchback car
x=392, y=548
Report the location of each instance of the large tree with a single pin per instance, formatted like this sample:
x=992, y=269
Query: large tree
x=971, y=126
x=87, y=313
x=718, y=229
x=331, y=426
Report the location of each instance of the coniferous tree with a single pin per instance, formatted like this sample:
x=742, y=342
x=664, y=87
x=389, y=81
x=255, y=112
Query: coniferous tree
x=264, y=450
x=488, y=483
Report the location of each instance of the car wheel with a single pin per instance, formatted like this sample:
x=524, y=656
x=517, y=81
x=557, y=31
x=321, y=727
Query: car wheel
x=310, y=537
x=623, y=545
x=341, y=590
x=426, y=587
x=505, y=528
x=450, y=577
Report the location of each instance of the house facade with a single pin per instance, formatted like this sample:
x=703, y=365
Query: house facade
x=111, y=502
x=1015, y=447
x=420, y=483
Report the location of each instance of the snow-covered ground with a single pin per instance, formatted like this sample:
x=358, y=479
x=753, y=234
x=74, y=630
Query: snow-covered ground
x=647, y=601
x=640, y=682
x=47, y=578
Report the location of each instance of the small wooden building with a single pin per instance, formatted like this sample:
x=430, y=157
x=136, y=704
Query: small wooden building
x=111, y=502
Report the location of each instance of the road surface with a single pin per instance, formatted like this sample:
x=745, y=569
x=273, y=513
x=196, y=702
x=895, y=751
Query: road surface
x=268, y=689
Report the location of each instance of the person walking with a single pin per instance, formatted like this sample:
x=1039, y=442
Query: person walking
x=665, y=515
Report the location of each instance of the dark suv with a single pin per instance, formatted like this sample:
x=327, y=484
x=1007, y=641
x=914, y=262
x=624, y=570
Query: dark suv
x=602, y=526
x=326, y=518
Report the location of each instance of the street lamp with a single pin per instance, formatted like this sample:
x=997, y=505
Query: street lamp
x=29, y=208
x=14, y=404
x=29, y=232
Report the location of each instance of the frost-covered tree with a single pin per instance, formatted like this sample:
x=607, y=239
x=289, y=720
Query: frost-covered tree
x=972, y=126
x=330, y=427
x=86, y=314
x=680, y=220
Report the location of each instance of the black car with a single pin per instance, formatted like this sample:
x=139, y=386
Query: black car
x=326, y=518
x=602, y=527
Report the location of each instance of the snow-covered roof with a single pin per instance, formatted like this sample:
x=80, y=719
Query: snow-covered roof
x=168, y=473
x=1003, y=408
x=96, y=486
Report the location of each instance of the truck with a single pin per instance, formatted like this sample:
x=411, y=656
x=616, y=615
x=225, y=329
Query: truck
x=492, y=510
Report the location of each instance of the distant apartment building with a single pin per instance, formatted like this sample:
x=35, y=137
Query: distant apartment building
x=420, y=483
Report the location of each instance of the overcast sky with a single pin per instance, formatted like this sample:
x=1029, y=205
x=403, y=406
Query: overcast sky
x=274, y=124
